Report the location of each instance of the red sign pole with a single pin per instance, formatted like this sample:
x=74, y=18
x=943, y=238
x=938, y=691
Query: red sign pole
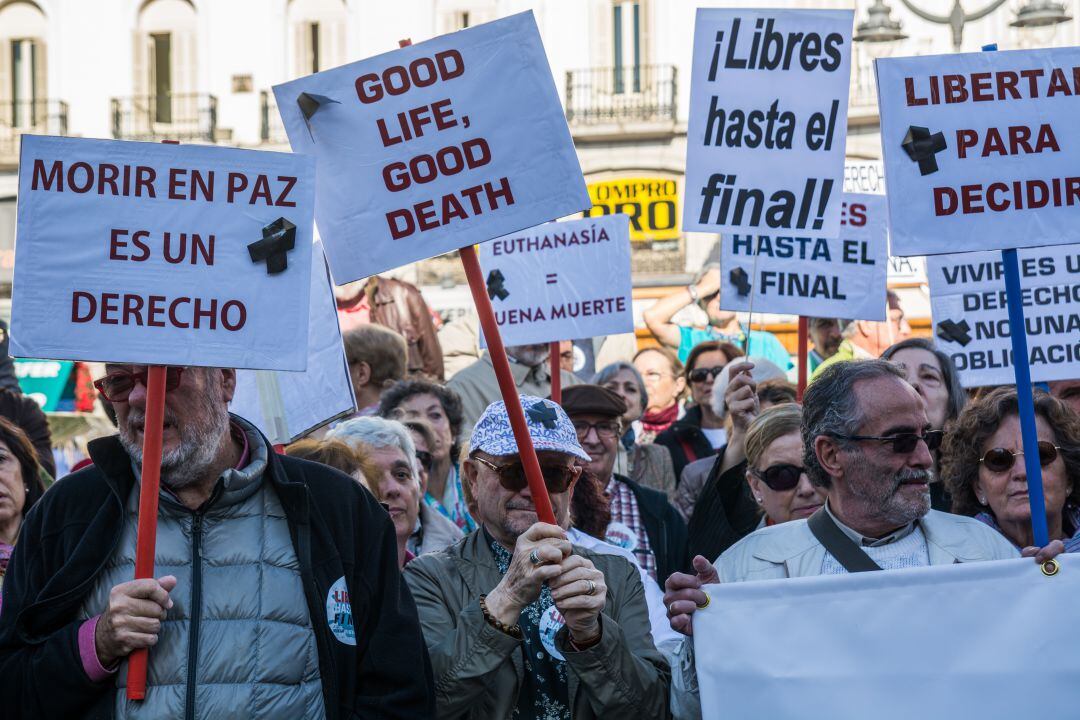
x=146, y=539
x=804, y=352
x=556, y=373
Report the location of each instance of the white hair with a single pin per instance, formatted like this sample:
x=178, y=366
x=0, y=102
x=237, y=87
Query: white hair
x=378, y=432
x=763, y=370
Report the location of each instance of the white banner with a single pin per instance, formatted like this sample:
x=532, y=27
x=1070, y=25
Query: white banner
x=768, y=121
x=971, y=316
x=981, y=150
x=161, y=254
x=812, y=276
x=426, y=149
x=971, y=640
x=561, y=281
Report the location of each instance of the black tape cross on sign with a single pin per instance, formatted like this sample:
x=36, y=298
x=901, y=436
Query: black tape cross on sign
x=495, y=288
x=279, y=237
x=740, y=280
x=954, y=332
x=922, y=147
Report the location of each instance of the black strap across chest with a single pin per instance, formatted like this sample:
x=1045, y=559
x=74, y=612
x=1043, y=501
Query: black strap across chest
x=847, y=553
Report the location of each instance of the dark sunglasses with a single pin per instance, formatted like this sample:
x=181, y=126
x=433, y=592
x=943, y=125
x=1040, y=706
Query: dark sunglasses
x=780, y=477
x=903, y=443
x=557, y=478
x=425, y=459
x=117, y=385
x=1000, y=459
x=698, y=375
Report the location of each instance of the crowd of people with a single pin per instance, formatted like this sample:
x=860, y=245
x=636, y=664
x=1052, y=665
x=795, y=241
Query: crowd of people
x=393, y=564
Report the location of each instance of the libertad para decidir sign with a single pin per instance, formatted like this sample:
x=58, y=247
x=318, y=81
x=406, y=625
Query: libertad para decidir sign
x=768, y=121
x=434, y=146
x=561, y=281
x=162, y=254
x=981, y=150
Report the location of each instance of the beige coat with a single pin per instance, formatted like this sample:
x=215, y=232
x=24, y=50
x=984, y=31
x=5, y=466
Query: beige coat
x=478, y=669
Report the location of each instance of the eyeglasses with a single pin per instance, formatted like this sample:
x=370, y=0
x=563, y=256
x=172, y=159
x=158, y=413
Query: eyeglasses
x=117, y=385
x=557, y=478
x=607, y=430
x=425, y=459
x=780, y=477
x=903, y=443
x=1000, y=459
x=698, y=375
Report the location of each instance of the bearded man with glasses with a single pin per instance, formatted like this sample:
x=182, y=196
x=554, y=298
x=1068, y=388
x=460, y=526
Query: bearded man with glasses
x=518, y=621
x=867, y=442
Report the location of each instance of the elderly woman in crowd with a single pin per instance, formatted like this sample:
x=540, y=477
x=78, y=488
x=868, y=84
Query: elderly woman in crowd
x=643, y=462
x=932, y=373
x=774, y=467
x=983, y=467
x=390, y=448
x=663, y=375
x=20, y=486
x=441, y=408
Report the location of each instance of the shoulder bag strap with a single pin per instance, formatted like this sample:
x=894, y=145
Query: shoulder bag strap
x=851, y=556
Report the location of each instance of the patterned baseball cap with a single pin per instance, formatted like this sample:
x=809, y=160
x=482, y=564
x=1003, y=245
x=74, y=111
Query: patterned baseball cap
x=549, y=428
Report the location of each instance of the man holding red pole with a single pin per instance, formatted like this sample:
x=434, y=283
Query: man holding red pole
x=277, y=585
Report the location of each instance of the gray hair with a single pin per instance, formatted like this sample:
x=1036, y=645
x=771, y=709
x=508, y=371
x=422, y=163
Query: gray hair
x=606, y=373
x=957, y=395
x=378, y=432
x=763, y=370
x=831, y=407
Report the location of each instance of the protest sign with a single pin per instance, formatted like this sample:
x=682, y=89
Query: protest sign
x=980, y=149
x=162, y=254
x=561, y=280
x=304, y=400
x=966, y=640
x=651, y=203
x=971, y=317
x=864, y=176
x=812, y=276
x=768, y=121
x=430, y=147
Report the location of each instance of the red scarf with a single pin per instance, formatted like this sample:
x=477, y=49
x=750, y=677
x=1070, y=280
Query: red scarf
x=657, y=421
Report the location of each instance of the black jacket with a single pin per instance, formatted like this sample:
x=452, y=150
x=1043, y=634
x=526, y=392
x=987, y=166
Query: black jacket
x=724, y=513
x=338, y=530
x=664, y=527
x=685, y=441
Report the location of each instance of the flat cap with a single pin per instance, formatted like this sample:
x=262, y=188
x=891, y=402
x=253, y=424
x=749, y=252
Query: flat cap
x=592, y=400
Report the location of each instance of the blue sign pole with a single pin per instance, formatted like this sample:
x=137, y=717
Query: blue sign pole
x=1024, y=398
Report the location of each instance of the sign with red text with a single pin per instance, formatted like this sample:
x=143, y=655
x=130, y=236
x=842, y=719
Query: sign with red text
x=162, y=254
x=768, y=121
x=561, y=281
x=426, y=149
x=812, y=276
x=981, y=150
x=971, y=316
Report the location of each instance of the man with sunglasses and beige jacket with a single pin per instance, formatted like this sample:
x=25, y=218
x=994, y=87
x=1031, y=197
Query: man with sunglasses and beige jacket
x=868, y=443
x=519, y=622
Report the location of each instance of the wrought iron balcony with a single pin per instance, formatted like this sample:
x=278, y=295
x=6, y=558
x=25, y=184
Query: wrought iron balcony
x=36, y=117
x=190, y=117
x=632, y=93
x=271, y=129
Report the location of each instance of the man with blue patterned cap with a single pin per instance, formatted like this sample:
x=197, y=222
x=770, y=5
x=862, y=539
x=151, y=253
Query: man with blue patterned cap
x=519, y=623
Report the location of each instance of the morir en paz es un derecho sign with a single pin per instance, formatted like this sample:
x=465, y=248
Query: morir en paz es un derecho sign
x=768, y=121
x=561, y=281
x=981, y=150
x=162, y=254
x=812, y=276
x=971, y=317
x=432, y=147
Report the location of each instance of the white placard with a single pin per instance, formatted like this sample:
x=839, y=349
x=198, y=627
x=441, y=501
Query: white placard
x=907, y=270
x=971, y=317
x=768, y=121
x=812, y=276
x=561, y=281
x=426, y=149
x=154, y=254
x=301, y=402
x=967, y=640
x=864, y=176
x=981, y=150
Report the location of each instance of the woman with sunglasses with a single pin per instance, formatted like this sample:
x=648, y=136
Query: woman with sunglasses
x=983, y=467
x=774, y=467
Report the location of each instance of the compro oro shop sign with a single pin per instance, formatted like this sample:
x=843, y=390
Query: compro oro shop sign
x=652, y=204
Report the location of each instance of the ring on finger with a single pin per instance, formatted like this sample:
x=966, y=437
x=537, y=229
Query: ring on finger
x=592, y=588
x=534, y=557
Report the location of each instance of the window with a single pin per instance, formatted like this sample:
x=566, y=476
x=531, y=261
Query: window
x=22, y=65
x=165, y=62
x=317, y=37
x=626, y=40
x=161, y=75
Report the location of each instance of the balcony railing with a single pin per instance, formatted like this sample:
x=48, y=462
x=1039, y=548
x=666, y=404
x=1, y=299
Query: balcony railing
x=190, y=117
x=271, y=130
x=633, y=93
x=37, y=117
